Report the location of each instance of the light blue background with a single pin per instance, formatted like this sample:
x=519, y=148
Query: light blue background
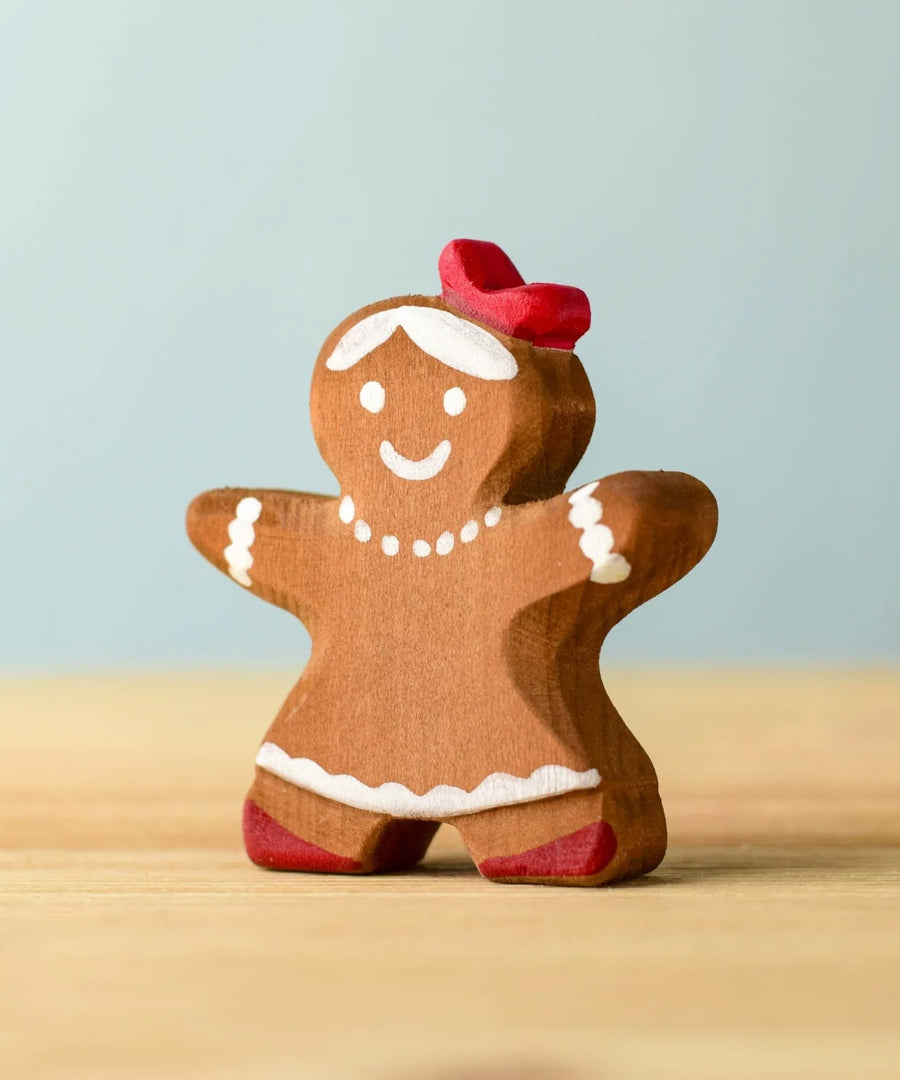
x=193, y=194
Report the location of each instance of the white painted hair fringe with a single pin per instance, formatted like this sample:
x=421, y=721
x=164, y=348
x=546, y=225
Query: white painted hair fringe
x=453, y=341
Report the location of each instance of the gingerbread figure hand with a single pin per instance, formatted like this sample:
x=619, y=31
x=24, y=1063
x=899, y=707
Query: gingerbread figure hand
x=270, y=542
x=456, y=597
x=639, y=531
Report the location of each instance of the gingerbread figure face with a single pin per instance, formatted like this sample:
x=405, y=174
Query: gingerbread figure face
x=456, y=598
x=446, y=406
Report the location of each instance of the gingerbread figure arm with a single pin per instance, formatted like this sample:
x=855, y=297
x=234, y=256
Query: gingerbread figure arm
x=267, y=541
x=634, y=532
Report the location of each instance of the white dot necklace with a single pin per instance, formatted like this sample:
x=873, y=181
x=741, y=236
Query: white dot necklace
x=420, y=548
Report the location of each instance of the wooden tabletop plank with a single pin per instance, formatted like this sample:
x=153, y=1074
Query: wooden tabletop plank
x=136, y=940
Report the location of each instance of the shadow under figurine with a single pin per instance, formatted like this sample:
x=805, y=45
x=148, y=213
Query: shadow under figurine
x=456, y=598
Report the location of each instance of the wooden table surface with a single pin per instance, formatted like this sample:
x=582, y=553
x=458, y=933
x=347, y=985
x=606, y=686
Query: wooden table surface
x=136, y=941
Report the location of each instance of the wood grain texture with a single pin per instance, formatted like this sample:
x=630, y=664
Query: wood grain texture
x=136, y=940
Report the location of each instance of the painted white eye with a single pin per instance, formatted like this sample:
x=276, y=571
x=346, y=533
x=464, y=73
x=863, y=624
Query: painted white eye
x=454, y=401
x=371, y=397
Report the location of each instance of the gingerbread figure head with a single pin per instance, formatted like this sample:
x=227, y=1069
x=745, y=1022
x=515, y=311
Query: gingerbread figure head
x=431, y=405
x=457, y=599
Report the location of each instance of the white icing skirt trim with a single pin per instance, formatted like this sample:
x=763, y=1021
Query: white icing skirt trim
x=498, y=789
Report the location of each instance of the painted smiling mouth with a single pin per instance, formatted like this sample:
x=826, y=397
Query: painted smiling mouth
x=408, y=469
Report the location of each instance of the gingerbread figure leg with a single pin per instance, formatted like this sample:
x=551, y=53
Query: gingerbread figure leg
x=287, y=828
x=585, y=838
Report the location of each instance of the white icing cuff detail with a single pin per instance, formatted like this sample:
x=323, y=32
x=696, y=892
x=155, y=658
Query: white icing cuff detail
x=498, y=789
x=238, y=558
x=596, y=540
x=241, y=534
x=248, y=509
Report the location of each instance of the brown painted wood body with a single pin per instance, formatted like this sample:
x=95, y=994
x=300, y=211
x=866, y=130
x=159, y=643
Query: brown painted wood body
x=443, y=662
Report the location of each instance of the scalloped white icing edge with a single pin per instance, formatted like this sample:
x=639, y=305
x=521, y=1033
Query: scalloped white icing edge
x=596, y=540
x=498, y=789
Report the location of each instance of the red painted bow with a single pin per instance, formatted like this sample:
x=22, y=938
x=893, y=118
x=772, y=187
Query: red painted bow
x=480, y=280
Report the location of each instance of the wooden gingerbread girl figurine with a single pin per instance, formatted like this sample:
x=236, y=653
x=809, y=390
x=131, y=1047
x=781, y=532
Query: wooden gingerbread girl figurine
x=456, y=598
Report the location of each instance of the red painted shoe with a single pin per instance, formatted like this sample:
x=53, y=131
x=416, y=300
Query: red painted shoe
x=581, y=854
x=273, y=846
